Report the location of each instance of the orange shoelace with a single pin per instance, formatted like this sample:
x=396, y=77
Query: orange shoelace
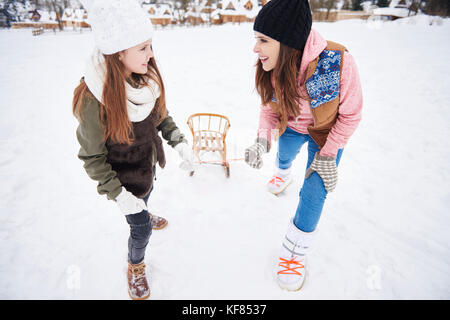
x=287, y=265
x=276, y=181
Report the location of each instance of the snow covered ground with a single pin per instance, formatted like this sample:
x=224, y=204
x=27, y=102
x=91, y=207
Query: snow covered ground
x=384, y=232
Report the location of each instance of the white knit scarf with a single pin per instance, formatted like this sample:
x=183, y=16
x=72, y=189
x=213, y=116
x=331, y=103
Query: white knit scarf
x=140, y=101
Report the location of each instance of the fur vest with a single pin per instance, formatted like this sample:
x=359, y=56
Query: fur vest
x=133, y=163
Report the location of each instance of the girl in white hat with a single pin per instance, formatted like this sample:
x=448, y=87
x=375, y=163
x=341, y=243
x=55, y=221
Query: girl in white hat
x=120, y=104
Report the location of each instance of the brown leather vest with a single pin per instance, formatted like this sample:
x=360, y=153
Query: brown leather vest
x=134, y=163
x=326, y=114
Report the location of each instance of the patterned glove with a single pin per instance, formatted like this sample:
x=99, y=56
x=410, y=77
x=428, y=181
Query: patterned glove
x=253, y=154
x=326, y=168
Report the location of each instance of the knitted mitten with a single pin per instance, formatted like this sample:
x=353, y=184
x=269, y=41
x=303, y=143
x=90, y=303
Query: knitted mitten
x=326, y=168
x=254, y=153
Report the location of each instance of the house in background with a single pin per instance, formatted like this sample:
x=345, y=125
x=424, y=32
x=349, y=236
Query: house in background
x=194, y=16
x=251, y=9
x=337, y=15
x=71, y=18
x=75, y=18
x=38, y=19
x=232, y=11
x=150, y=8
x=208, y=6
x=35, y=16
x=160, y=14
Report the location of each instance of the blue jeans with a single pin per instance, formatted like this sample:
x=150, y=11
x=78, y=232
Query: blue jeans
x=140, y=231
x=313, y=193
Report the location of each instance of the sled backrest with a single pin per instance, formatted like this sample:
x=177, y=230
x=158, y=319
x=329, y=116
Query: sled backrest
x=204, y=124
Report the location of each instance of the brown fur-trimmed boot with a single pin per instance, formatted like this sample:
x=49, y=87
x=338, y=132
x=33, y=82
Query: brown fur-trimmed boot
x=158, y=222
x=138, y=288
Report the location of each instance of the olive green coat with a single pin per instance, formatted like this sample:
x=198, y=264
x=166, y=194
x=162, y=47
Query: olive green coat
x=93, y=151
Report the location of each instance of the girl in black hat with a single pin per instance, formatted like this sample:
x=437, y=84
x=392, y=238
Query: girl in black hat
x=310, y=93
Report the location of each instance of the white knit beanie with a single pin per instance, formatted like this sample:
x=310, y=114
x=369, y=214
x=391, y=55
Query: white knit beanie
x=118, y=24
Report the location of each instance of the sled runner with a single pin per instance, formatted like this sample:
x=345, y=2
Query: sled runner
x=209, y=131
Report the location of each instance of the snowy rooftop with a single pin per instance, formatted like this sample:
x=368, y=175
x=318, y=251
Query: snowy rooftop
x=71, y=14
x=396, y=12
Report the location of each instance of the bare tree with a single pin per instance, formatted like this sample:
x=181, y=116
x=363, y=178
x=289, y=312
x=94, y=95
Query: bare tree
x=356, y=5
x=347, y=5
x=209, y=7
x=414, y=6
x=181, y=7
x=383, y=3
x=329, y=5
x=437, y=8
x=315, y=5
x=58, y=12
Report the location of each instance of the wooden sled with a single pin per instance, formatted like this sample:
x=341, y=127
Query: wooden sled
x=209, y=131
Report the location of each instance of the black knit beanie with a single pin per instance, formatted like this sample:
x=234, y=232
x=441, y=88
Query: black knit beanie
x=287, y=21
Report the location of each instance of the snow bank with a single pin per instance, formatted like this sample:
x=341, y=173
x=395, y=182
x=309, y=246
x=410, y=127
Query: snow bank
x=422, y=20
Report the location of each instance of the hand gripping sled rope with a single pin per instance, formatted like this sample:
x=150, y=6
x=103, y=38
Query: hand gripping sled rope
x=209, y=131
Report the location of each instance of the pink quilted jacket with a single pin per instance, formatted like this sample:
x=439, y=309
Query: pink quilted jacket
x=350, y=106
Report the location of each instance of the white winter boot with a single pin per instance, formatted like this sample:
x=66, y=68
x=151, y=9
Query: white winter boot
x=280, y=180
x=292, y=263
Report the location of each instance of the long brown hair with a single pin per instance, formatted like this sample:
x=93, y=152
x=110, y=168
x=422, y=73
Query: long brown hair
x=113, y=111
x=281, y=83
